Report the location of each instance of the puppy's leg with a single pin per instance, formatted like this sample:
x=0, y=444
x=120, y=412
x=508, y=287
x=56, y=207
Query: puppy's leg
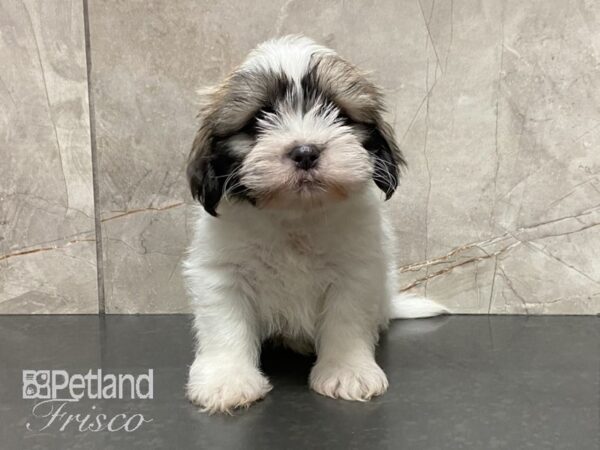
x=225, y=373
x=346, y=339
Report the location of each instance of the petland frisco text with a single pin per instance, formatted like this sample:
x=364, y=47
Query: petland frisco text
x=57, y=391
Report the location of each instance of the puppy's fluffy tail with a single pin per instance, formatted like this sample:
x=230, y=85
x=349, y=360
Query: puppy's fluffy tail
x=408, y=306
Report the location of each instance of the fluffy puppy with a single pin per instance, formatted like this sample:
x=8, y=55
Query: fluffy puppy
x=292, y=164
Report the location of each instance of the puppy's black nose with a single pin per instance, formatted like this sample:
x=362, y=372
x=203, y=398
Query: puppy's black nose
x=305, y=156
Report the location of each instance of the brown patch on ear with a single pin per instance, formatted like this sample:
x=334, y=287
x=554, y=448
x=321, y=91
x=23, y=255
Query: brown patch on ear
x=235, y=101
x=348, y=87
x=231, y=104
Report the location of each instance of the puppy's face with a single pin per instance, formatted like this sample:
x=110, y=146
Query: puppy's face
x=295, y=126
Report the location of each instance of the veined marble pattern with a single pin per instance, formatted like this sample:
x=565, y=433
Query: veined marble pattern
x=47, y=237
x=505, y=148
x=495, y=104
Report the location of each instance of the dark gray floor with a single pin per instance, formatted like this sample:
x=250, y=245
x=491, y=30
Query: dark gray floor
x=458, y=382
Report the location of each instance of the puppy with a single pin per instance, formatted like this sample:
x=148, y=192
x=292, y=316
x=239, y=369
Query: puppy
x=292, y=164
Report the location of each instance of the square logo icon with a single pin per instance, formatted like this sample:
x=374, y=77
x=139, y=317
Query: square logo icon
x=36, y=384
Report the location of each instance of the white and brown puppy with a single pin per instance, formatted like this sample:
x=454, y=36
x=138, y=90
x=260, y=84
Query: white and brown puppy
x=292, y=163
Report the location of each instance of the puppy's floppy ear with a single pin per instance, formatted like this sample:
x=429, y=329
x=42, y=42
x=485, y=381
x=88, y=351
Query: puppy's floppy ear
x=362, y=102
x=387, y=157
x=205, y=185
x=202, y=176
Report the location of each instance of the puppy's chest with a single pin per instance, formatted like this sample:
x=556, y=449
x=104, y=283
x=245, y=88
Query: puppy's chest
x=300, y=244
x=295, y=264
x=290, y=278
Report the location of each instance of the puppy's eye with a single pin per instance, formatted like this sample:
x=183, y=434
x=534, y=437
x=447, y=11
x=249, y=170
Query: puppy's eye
x=265, y=111
x=345, y=119
x=251, y=127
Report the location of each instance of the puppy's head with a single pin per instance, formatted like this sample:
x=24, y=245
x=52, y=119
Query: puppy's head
x=295, y=126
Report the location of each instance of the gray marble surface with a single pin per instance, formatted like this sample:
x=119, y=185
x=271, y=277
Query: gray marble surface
x=495, y=104
x=47, y=237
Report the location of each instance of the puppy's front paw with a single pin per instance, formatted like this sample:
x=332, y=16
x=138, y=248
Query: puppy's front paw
x=218, y=390
x=338, y=379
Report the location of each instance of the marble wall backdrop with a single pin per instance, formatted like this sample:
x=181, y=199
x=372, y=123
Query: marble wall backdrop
x=47, y=238
x=495, y=104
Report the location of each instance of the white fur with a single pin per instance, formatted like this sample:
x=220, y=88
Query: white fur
x=290, y=54
x=322, y=278
x=408, y=306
